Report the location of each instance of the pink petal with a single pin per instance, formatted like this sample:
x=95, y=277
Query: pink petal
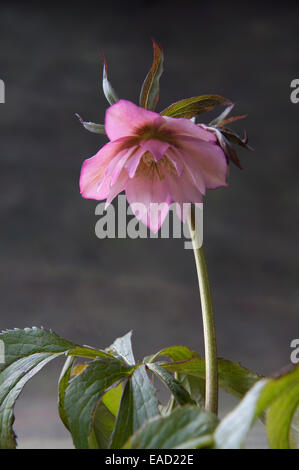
x=183, y=189
x=156, y=147
x=147, y=192
x=182, y=126
x=176, y=159
x=118, y=163
x=93, y=170
x=193, y=167
x=133, y=162
x=117, y=187
x=123, y=118
x=208, y=160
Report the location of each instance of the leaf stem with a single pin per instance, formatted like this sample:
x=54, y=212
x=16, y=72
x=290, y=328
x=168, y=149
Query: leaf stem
x=211, y=400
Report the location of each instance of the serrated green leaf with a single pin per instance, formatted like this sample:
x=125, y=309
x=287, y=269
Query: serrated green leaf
x=180, y=394
x=233, y=378
x=191, y=107
x=23, y=342
x=185, y=428
x=138, y=404
x=84, y=393
x=108, y=90
x=12, y=381
x=149, y=94
x=27, y=351
x=92, y=126
x=122, y=349
x=104, y=418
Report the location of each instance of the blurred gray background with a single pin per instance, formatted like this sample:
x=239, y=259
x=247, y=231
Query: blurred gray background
x=55, y=272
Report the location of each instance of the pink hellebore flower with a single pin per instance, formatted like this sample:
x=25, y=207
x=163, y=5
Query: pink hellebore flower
x=155, y=159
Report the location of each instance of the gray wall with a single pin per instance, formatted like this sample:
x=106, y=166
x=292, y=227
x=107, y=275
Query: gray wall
x=54, y=272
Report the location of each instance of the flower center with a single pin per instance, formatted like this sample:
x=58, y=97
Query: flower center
x=152, y=169
x=148, y=158
x=154, y=132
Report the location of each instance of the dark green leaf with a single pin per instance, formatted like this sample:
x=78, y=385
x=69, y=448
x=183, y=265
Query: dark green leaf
x=104, y=418
x=191, y=107
x=23, y=342
x=195, y=386
x=12, y=381
x=84, y=393
x=150, y=89
x=185, y=428
x=180, y=394
x=138, y=404
x=26, y=352
x=233, y=378
x=62, y=385
x=124, y=422
x=103, y=424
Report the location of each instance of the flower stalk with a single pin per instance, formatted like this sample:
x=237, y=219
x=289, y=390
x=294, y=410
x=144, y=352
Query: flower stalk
x=211, y=398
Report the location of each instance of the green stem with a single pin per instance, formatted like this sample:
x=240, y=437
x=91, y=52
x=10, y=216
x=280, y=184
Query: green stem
x=211, y=403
